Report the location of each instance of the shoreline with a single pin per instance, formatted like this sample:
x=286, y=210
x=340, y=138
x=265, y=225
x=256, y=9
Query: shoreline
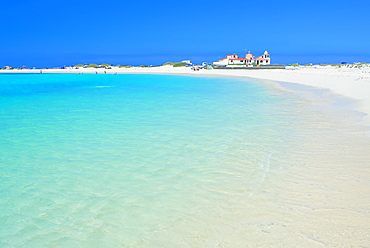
x=320, y=182
x=352, y=84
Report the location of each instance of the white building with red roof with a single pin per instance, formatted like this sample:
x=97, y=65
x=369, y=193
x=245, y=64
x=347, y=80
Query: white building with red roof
x=249, y=60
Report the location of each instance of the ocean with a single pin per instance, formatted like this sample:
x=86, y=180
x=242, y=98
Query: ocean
x=177, y=161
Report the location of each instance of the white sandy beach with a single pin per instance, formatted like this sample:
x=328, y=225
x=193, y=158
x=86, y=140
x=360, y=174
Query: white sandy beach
x=351, y=83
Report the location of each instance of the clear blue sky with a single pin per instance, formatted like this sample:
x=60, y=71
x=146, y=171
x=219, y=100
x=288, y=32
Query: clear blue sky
x=46, y=33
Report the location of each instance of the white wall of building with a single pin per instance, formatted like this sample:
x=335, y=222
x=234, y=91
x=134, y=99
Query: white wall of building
x=229, y=61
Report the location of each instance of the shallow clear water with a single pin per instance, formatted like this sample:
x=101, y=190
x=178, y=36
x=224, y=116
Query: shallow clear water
x=166, y=161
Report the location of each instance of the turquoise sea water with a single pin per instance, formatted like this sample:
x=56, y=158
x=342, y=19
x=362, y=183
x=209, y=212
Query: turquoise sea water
x=147, y=160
